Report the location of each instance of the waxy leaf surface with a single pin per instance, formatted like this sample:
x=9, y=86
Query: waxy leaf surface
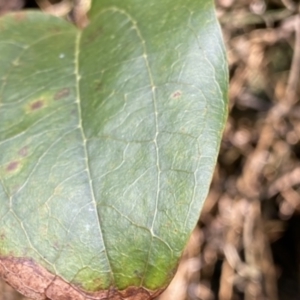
x=109, y=138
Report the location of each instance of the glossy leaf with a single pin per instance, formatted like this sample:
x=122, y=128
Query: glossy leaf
x=108, y=138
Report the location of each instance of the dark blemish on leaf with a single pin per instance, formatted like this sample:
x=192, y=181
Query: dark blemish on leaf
x=12, y=166
x=98, y=85
x=138, y=274
x=37, y=105
x=23, y=151
x=93, y=35
x=62, y=94
x=55, y=30
x=176, y=94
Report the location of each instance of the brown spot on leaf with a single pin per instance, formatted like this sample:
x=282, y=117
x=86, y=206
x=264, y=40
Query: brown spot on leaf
x=12, y=166
x=98, y=85
x=176, y=94
x=23, y=152
x=34, y=281
x=94, y=35
x=62, y=94
x=38, y=104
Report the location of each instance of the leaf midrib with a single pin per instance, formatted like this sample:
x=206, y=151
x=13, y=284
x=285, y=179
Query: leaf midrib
x=84, y=142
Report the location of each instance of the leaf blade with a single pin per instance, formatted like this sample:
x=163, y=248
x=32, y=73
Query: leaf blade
x=126, y=145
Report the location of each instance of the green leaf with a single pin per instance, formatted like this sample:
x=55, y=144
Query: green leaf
x=108, y=141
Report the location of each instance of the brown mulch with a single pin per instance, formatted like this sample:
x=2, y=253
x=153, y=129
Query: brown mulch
x=247, y=242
